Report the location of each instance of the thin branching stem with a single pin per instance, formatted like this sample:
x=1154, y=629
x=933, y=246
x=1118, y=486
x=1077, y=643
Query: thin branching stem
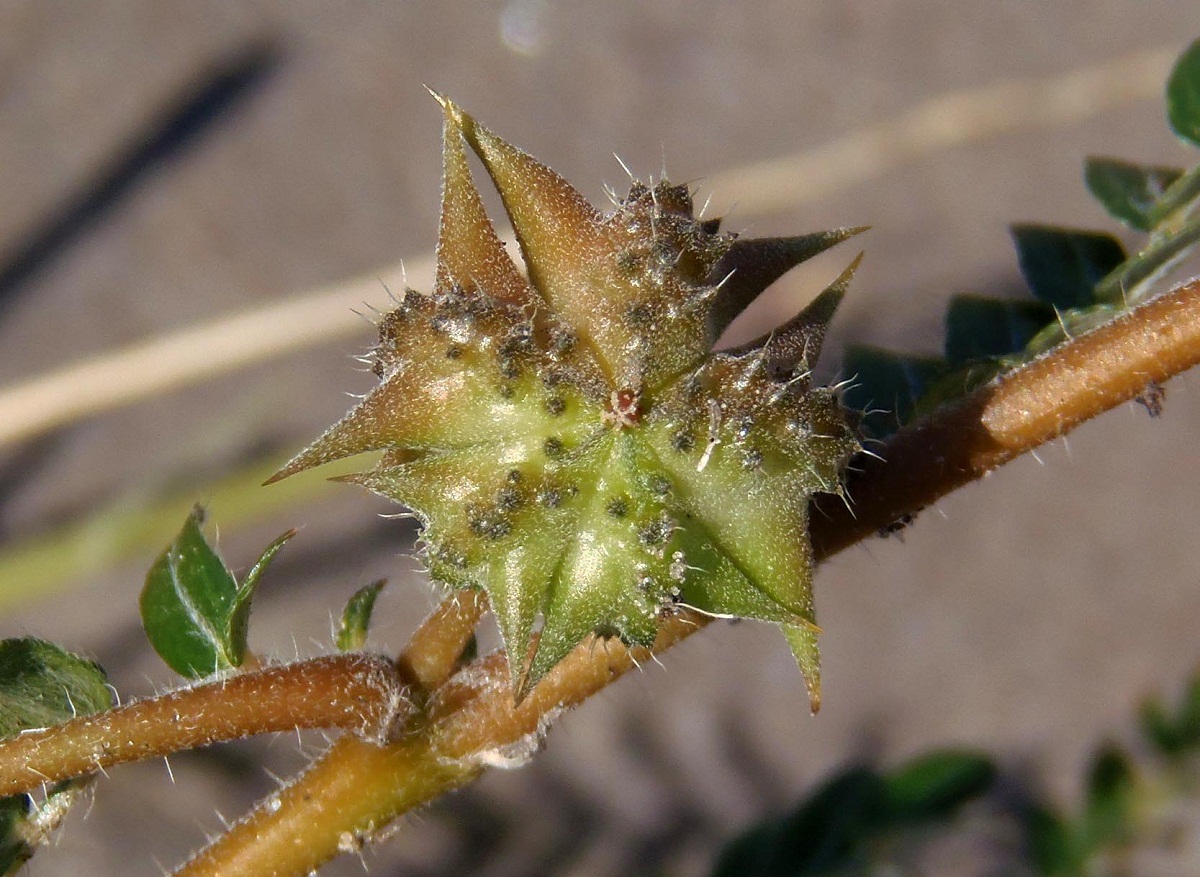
x=360, y=693
x=323, y=806
x=355, y=789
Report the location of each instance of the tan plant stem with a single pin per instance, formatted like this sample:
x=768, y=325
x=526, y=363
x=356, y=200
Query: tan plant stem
x=1021, y=410
x=361, y=693
x=472, y=720
x=349, y=794
x=179, y=359
x=434, y=651
x=355, y=789
x=469, y=721
x=329, y=806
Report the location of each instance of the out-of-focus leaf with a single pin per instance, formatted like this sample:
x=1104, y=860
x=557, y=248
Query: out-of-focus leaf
x=1188, y=722
x=193, y=610
x=15, y=850
x=42, y=685
x=1109, y=803
x=1178, y=733
x=356, y=617
x=836, y=830
x=1052, y=844
x=984, y=328
x=1183, y=95
x=826, y=833
x=933, y=786
x=1159, y=728
x=1063, y=266
x=887, y=386
x=1129, y=192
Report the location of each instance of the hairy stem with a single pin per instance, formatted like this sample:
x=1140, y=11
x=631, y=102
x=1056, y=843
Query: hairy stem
x=362, y=693
x=355, y=789
x=349, y=794
x=436, y=648
x=469, y=720
x=1031, y=405
x=472, y=721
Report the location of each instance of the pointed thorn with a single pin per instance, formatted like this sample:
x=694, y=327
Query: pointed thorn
x=555, y=225
x=758, y=263
x=797, y=343
x=446, y=104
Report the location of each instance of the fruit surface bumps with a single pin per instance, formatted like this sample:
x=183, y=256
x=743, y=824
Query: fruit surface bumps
x=566, y=435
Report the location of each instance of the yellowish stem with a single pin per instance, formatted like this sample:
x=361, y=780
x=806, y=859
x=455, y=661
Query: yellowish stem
x=1046, y=399
x=352, y=792
x=472, y=721
x=362, y=693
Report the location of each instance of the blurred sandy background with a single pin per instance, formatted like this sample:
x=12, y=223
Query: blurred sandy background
x=167, y=163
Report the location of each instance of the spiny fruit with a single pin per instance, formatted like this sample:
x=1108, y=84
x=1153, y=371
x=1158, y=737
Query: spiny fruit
x=570, y=441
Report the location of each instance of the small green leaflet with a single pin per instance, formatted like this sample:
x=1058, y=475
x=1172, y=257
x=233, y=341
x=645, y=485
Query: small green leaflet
x=989, y=328
x=356, y=618
x=1183, y=95
x=193, y=610
x=1129, y=192
x=1063, y=266
x=42, y=685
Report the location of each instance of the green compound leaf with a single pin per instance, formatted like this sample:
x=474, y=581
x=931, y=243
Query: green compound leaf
x=42, y=685
x=193, y=610
x=1063, y=266
x=1129, y=192
x=1183, y=95
x=572, y=443
x=356, y=618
